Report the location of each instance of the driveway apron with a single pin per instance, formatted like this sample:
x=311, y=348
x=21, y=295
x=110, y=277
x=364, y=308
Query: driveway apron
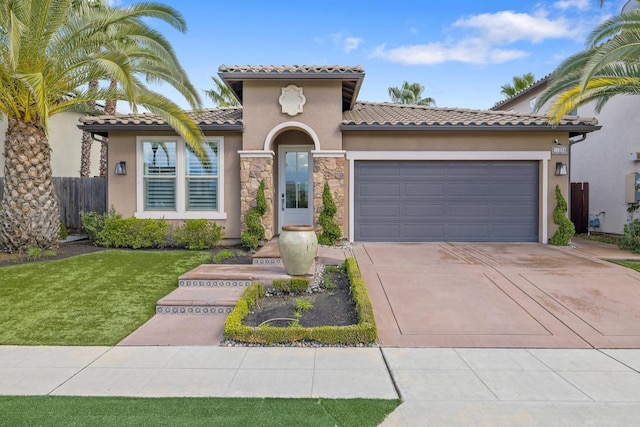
x=499, y=295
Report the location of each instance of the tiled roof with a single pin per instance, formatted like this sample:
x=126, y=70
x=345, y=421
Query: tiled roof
x=290, y=69
x=208, y=117
x=366, y=114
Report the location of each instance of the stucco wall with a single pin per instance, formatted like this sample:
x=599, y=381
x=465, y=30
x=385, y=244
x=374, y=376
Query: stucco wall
x=65, y=139
x=603, y=159
x=122, y=188
x=262, y=112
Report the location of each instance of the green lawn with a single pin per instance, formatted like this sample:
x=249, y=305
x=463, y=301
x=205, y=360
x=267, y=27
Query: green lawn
x=117, y=411
x=92, y=299
x=630, y=264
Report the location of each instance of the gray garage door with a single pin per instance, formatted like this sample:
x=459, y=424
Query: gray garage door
x=419, y=201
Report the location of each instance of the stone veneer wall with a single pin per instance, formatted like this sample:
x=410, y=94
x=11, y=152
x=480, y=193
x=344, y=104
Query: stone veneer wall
x=331, y=170
x=252, y=171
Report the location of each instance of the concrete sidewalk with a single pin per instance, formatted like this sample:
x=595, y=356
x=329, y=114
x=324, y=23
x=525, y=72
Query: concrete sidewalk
x=438, y=386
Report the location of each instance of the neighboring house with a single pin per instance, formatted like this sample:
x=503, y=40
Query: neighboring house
x=397, y=172
x=65, y=139
x=605, y=159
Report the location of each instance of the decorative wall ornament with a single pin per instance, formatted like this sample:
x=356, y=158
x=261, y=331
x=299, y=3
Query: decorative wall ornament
x=292, y=100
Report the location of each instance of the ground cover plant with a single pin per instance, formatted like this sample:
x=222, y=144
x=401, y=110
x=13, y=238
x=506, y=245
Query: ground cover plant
x=635, y=265
x=117, y=411
x=93, y=299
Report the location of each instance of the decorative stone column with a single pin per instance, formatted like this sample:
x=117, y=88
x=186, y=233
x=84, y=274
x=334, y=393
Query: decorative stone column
x=254, y=167
x=329, y=166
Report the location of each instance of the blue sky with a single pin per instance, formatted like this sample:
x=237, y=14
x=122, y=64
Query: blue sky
x=461, y=51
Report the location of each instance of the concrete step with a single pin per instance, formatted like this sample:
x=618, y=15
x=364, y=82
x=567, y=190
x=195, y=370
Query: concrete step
x=205, y=300
x=231, y=275
x=268, y=254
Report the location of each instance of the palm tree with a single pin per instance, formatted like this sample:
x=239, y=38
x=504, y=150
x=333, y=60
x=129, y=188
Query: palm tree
x=518, y=84
x=409, y=93
x=222, y=95
x=609, y=66
x=48, y=55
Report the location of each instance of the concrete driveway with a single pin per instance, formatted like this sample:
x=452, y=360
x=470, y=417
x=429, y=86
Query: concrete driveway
x=500, y=295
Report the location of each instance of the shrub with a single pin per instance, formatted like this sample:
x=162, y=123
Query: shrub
x=566, y=230
x=294, y=285
x=631, y=238
x=255, y=231
x=63, y=233
x=133, y=233
x=330, y=230
x=93, y=223
x=198, y=234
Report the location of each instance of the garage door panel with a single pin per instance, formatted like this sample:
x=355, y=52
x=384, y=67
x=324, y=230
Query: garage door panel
x=446, y=201
x=468, y=190
x=380, y=211
x=421, y=190
x=426, y=211
x=421, y=233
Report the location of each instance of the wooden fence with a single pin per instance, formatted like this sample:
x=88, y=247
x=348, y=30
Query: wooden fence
x=77, y=195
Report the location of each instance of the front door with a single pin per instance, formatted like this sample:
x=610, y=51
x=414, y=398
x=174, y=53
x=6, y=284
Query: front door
x=295, y=185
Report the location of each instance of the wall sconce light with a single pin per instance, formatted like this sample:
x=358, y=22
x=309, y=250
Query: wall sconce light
x=121, y=168
x=561, y=169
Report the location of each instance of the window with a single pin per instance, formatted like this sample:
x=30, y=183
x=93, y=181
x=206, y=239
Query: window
x=173, y=183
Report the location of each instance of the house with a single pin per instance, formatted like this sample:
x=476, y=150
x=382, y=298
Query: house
x=65, y=139
x=608, y=160
x=397, y=172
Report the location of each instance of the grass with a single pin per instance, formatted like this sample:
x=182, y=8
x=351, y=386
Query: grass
x=111, y=411
x=91, y=299
x=635, y=265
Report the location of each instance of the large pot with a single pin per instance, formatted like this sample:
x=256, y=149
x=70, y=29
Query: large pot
x=298, y=247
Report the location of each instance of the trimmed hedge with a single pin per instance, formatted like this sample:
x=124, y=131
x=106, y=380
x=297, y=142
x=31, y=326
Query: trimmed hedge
x=294, y=285
x=363, y=332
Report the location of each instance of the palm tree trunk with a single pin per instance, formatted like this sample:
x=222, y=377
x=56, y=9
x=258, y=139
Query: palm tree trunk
x=109, y=109
x=30, y=214
x=85, y=154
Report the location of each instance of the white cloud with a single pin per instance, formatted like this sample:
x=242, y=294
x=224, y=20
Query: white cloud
x=352, y=43
x=573, y=4
x=486, y=39
x=468, y=51
x=509, y=27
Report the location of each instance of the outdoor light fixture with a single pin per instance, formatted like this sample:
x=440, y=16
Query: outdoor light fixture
x=121, y=168
x=561, y=169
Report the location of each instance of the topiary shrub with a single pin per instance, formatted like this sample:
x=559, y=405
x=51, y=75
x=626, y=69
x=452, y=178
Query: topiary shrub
x=631, y=239
x=198, y=234
x=254, y=234
x=330, y=230
x=566, y=230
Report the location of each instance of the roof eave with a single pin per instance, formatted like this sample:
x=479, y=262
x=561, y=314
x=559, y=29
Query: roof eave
x=101, y=128
x=575, y=129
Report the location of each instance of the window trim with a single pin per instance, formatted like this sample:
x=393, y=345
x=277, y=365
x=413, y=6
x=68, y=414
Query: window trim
x=181, y=177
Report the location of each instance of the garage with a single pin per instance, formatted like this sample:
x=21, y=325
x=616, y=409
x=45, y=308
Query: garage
x=455, y=201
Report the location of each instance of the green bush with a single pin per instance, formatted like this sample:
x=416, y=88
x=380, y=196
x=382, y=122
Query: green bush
x=363, y=332
x=63, y=233
x=330, y=230
x=133, y=233
x=93, y=223
x=294, y=285
x=631, y=239
x=198, y=234
x=251, y=238
x=566, y=230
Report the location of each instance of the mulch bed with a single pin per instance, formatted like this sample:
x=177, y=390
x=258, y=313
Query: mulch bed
x=331, y=307
x=64, y=250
